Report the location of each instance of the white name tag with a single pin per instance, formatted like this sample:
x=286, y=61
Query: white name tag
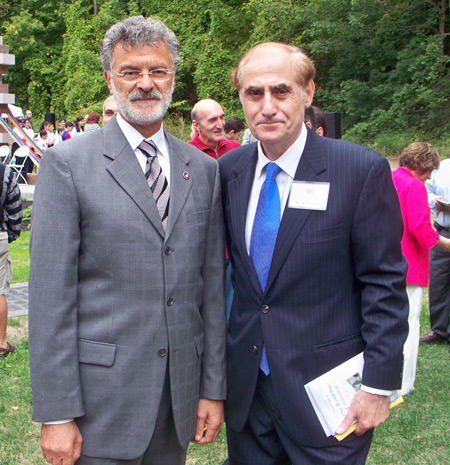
x=309, y=195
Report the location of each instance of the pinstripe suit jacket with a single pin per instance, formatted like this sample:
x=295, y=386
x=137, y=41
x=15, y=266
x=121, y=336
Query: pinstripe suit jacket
x=112, y=297
x=336, y=285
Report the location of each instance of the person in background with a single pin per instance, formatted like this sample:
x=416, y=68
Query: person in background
x=62, y=123
x=58, y=135
x=109, y=109
x=92, y=122
x=234, y=127
x=41, y=140
x=208, y=119
x=79, y=125
x=417, y=161
x=10, y=221
x=28, y=115
x=438, y=188
x=248, y=137
x=48, y=126
x=315, y=120
x=70, y=131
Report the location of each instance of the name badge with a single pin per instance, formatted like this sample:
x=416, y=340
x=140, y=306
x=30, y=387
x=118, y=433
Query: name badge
x=309, y=195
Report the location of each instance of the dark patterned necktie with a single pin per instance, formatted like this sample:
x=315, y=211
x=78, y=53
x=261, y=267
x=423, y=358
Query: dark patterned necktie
x=156, y=179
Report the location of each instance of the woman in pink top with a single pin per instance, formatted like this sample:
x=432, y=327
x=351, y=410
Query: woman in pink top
x=417, y=161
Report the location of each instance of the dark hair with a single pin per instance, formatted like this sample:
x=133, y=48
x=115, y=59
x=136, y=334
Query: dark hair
x=420, y=156
x=234, y=124
x=60, y=130
x=93, y=118
x=62, y=119
x=138, y=30
x=43, y=133
x=69, y=124
x=79, y=118
x=316, y=117
x=44, y=123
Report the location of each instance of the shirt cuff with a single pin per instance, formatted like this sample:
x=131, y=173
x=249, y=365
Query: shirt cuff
x=378, y=392
x=57, y=422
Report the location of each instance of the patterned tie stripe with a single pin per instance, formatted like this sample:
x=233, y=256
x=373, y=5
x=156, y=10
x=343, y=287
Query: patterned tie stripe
x=156, y=179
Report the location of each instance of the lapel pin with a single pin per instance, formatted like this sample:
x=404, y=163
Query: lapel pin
x=185, y=175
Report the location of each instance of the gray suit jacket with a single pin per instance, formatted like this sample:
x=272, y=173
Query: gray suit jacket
x=114, y=300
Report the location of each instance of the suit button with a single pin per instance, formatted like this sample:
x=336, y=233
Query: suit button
x=162, y=352
x=265, y=309
x=170, y=301
x=255, y=349
x=167, y=250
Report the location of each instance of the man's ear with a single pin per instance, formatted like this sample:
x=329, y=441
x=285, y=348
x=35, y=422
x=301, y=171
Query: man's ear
x=310, y=88
x=108, y=81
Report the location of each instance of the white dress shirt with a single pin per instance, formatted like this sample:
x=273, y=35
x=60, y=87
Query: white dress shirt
x=288, y=163
x=134, y=138
x=439, y=186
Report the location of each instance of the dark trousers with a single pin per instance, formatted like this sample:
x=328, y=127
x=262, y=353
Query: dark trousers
x=439, y=290
x=263, y=441
x=164, y=447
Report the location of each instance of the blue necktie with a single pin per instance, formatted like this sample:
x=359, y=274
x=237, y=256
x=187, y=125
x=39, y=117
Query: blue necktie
x=264, y=234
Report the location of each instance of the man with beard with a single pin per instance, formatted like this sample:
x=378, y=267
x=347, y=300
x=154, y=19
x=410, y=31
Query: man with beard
x=127, y=314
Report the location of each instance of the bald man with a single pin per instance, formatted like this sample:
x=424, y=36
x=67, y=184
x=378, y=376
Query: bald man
x=208, y=120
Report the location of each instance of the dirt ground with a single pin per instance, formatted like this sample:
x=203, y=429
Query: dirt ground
x=17, y=329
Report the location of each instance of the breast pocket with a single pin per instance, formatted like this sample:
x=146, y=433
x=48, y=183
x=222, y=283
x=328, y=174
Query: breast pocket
x=325, y=234
x=198, y=217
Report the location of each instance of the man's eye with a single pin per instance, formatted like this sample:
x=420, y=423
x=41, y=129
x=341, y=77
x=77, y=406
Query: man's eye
x=159, y=72
x=130, y=73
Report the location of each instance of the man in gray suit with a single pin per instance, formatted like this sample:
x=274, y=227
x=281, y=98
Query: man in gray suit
x=127, y=314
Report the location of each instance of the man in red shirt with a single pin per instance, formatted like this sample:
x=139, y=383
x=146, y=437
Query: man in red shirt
x=208, y=120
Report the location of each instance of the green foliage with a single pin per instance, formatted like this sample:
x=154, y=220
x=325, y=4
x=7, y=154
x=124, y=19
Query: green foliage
x=382, y=63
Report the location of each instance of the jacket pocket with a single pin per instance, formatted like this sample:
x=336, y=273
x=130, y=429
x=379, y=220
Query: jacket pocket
x=198, y=217
x=96, y=353
x=339, y=342
x=199, y=345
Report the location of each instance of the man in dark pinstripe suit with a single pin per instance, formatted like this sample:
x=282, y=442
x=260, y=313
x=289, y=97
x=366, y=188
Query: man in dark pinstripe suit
x=330, y=285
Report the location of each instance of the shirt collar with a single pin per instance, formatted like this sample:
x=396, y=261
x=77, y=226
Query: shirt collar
x=290, y=159
x=134, y=137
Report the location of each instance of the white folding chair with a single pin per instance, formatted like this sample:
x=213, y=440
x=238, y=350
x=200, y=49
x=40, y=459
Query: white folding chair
x=18, y=161
x=4, y=153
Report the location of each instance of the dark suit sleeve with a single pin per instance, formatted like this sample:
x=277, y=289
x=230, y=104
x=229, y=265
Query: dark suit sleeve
x=53, y=286
x=213, y=378
x=380, y=270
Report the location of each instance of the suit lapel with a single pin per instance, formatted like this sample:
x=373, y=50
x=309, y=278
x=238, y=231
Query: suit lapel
x=125, y=169
x=180, y=180
x=311, y=164
x=239, y=189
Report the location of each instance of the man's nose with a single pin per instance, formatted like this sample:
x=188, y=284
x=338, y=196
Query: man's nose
x=269, y=108
x=146, y=82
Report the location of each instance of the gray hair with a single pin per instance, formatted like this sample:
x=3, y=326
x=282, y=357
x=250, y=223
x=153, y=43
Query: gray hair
x=138, y=30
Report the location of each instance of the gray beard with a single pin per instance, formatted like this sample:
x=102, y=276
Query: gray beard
x=138, y=113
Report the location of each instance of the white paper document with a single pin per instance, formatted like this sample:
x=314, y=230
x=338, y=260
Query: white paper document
x=332, y=392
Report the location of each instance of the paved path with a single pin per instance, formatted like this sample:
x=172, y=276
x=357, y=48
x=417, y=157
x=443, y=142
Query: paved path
x=17, y=299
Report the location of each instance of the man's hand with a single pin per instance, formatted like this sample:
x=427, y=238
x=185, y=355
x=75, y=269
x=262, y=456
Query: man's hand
x=209, y=421
x=439, y=206
x=370, y=410
x=61, y=444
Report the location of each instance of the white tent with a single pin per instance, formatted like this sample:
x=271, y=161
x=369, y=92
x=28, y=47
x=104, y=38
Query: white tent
x=16, y=111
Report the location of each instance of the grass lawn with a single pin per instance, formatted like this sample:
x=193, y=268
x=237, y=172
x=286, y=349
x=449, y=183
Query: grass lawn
x=21, y=259
x=418, y=432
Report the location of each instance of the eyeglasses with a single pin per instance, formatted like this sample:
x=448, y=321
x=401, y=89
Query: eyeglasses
x=157, y=75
